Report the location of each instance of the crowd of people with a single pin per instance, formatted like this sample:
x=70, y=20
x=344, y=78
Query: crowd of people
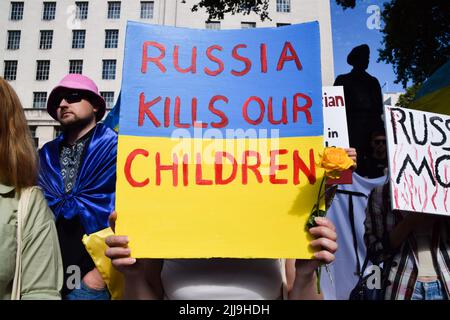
x=41, y=227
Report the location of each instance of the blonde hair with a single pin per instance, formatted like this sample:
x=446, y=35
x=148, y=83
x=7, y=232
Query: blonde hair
x=18, y=156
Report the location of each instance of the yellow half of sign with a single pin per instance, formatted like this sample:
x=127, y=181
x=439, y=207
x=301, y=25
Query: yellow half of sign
x=180, y=217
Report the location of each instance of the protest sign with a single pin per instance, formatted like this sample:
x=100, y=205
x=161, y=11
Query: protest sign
x=334, y=117
x=419, y=160
x=335, y=126
x=218, y=141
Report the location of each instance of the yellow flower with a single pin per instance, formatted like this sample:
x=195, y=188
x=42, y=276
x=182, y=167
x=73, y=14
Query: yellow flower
x=334, y=161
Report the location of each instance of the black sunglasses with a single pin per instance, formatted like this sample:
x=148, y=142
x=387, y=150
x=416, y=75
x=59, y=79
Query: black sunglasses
x=72, y=97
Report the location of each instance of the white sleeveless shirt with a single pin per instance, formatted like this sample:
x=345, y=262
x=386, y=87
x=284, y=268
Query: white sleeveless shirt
x=222, y=279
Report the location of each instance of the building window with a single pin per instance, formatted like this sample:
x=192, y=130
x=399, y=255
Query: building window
x=76, y=66
x=213, y=25
x=33, y=128
x=82, y=10
x=109, y=98
x=113, y=9
x=49, y=11
x=46, y=39
x=147, y=9
x=109, y=70
x=16, y=11
x=13, y=39
x=33, y=135
x=10, y=71
x=283, y=5
x=78, y=38
x=42, y=70
x=39, y=100
x=283, y=24
x=248, y=25
x=111, y=38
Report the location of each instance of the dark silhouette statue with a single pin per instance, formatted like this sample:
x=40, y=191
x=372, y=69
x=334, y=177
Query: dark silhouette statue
x=364, y=100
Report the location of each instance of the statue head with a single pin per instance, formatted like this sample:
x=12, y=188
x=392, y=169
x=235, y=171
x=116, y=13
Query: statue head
x=359, y=57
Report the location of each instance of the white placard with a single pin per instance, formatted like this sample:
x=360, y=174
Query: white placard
x=419, y=160
x=335, y=131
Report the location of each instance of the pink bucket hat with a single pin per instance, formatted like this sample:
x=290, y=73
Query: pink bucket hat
x=76, y=82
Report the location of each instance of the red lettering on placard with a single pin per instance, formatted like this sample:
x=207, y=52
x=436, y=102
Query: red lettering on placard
x=167, y=112
x=218, y=167
x=283, y=119
x=127, y=168
x=274, y=167
x=185, y=170
x=263, y=51
x=176, y=121
x=144, y=109
x=285, y=57
x=214, y=59
x=199, y=173
x=261, y=110
x=196, y=124
x=299, y=165
x=247, y=61
x=224, y=119
x=172, y=167
x=156, y=60
x=302, y=108
x=192, y=68
x=253, y=167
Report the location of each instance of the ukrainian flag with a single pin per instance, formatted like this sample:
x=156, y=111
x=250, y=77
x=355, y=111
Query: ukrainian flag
x=184, y=191
x=434, y=94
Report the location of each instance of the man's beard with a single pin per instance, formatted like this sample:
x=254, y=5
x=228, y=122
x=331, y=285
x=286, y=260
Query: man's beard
x=74, y=123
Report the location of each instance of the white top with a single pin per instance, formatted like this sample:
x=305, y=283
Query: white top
x=226, y=279
x=426, y=266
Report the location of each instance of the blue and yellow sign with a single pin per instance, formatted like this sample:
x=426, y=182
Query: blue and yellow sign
x=218, y=139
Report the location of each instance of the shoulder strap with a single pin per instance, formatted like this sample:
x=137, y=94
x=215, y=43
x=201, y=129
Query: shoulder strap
x=22, y=212
x=351, y=216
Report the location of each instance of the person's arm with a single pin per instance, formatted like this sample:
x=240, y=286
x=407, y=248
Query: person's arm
x=142, y=276
x=305, y=283
x=411, y=222
x=42, y=270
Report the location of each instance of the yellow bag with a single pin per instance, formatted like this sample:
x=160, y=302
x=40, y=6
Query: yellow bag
x=96, y=246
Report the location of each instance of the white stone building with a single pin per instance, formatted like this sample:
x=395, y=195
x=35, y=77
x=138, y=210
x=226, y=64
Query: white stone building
x=41, y=41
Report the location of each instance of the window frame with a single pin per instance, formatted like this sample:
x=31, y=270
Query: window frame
x=108, y=96
x=76, y=66
x=108, y=72
x=42, y=70
x=284, y=6
x=7, y=64
x=81, y=36
x=48, y=10
x=113, y=8
x=209, y=24
x=82, y=10
x=16, y=13
x=39, y=99
x=111, y=42
x=146, y=10
x=44, y=41
x=13, y=42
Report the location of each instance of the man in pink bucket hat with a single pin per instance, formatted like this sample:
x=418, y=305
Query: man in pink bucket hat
x=78, y=175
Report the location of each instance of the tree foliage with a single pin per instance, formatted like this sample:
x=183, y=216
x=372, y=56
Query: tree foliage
x=416, y=38
x=217, y=9
x=416, y=33
x=407, y=98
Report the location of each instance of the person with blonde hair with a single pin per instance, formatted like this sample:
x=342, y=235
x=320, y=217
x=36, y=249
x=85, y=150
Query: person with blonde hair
x=30, y=258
